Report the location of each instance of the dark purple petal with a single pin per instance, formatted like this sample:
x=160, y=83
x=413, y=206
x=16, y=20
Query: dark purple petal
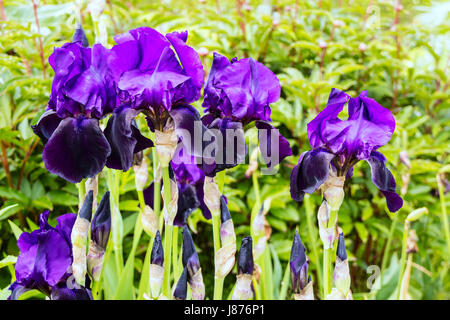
x=46, y=125
x=80, y=36
x=157, y=256
x=86, y=208
x=226, y=149
x=187, y=203
x=76, y=150
x=272, y=144
x=245, y=262
x=298, y=264
x=341, y=252
x=65, y=225
x=101, y=223
x=384, y=180
x=336, y=103
x=200, y=196
x=310, y=172
x=189, y=128
x=190, y=257
x=149, y=195
x=180, y=292
x=185, y=169
x=124, y=138
x=64, y=293
x=224, y=212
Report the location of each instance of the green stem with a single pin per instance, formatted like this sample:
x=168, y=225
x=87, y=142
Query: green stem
x=218, y=282
x=167, y=235
x=388, y=247
x=157, y=187
x=327, y=258
x=175, y=254
x=285, y=282
x=81, y=192
x=312, y=231
x=403, y=259
x=444, y=215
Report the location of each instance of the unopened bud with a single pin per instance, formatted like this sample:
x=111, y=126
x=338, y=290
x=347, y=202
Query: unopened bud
x=243, y=289
x=333, y=191
x=156, y=266
x=192, y=264
x=258, y=232
x=341, y=270
x=141, y=175
x=180, y=292
x=211, y=196
x=149, y=221
x=202, y=52
x=298, y=263
x=307, y=293
x=416, y=214
x=336, y=295
x=170, y=209
x=79, y=236
x=326, y=234
x=100, y=231
x=404, y=158
x=225, y=256
x=166, y=143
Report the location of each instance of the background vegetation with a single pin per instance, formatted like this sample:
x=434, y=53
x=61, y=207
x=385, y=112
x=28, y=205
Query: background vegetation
x=396, y=50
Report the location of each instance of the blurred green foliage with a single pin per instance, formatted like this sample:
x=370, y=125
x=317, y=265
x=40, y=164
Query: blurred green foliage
x=396, y=50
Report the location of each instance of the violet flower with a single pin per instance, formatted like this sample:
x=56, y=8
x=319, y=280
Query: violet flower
x=340, y=144
x=159, y=76
x=191, y=263
x=83, y=92
x=45, y=261
x=299, y=263
x=237, y=93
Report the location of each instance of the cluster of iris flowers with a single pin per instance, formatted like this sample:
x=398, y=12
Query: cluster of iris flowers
x=160, y=76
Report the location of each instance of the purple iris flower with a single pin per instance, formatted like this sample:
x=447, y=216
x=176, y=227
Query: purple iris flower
x=83, y=92
x=340, y=144
x=237, y=93
x=157, y=75
x=190, y=180
x=45, y=261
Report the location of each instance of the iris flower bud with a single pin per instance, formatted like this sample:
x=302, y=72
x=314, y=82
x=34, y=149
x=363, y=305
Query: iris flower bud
x=225, y=256
x=299, y=262
x=341, y=269
x=211, y=196
x=191, y=262
x=258, y=232
x=245, y=266
x=157, y=266
x=149, y=221
x=171, y=211
x=166, y=143
x=141, y=174
x=326, y=234
x=100, y=230
x=180, y=291
x=79, y=237
x=333, y=191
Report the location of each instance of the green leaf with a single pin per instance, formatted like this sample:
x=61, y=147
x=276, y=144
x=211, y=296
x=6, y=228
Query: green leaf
x=362, y=231
x=9, y=211
x=15, y=229
x=9, y=260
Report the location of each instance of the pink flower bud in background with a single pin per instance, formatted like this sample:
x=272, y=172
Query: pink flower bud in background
x=362, y=47
x=202, y=52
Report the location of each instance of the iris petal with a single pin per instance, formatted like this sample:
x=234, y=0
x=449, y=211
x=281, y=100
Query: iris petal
x=384, y=180
x=124, y=138
x=76, y=150
x=46, y=125
x=310, y=172
x=272, y=138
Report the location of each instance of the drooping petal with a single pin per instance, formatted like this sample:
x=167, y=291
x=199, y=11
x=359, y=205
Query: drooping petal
x=226, y=149
x=189, y=128
x=310, y=172
x=76, y=150
x=46, y=125
x=384, y=180
x=335, y=104
x=124, y=138
x=274, y=147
